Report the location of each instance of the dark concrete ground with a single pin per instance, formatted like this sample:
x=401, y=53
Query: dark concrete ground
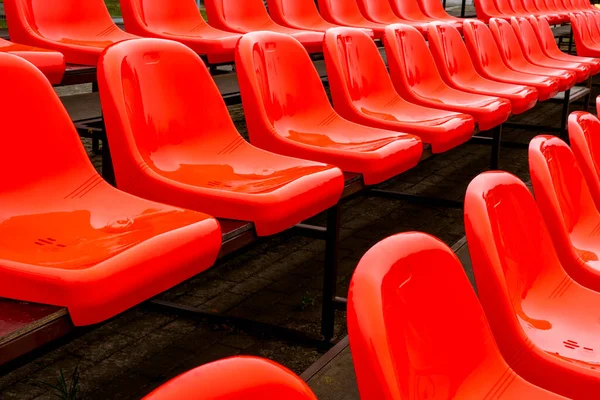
x=277, y=281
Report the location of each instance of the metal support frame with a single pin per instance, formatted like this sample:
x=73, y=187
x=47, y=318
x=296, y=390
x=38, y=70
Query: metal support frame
x=330, y=301
x=570, y=41
x=95, y=139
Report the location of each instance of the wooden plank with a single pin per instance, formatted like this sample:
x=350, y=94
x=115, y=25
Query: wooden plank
x=25, y=327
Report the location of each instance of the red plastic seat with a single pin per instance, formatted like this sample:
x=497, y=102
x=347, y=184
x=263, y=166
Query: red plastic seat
x=288, y=112
x=513, y=56
x=488, y=62
x=235, y=378
x=436, y=10
x=70, y=239
x=180, y=21
x=169, y=145
x=363, y=92
x=51, y=63
x=537, y=7
x=410, y=10
x=243, y=16
x=417, y=79
x=584, y=130
x=381, y=11
x=542, y=29
x=80, y=30
x=456, y=68
x=592, y=23
x=301, y=14
x=584, y=44
x=532, y=50
x=545, y=323
x=566, y=204
x=487, y=9
x=410, y=305
x=347, y=13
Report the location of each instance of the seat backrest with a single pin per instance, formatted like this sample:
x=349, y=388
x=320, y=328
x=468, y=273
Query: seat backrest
x=581, y=32
x=584, y=135
x=542, y=29
x=235, y=378
x=71, y=17
x=408, y=9
x=149, y=91
x=484, y=51
x=277, y=81
x=561, y=193
x=403, y=291
x=303, y=12
x=592, y=23
x=526, y=36
x=505, y=7
x=236, y=13
x=411, y=64
x=376, y=10
x=355, y=68
x=31, y=157
x=450, y=53
x=514, y=260
x=507, y=41
x=530, y=6
x=158, y=15
x=485, y=9
x=343, y=12
x=433, y=8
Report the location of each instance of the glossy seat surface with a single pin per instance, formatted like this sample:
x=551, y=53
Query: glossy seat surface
x=235, y=378
x=456, y=68
x=301, y=14
x=51, y=63
x=346, y=13
x=243, y=16
x=180, y=21
x=486, y=57
x=584, y=135
x=542, y=29
x=410, y=10
x=409, y=305
x=566, y=204
x=167, y=145
x=532, y=50
x=435, y=9
x=288, y=112
x=381, y=11
x=537, y=7
x=545, y=323
x=363, y=92
x=513, y=57
x=417, y=79
x=487, y=9
x=70, y=239
x=584, y=44
x=80, y=30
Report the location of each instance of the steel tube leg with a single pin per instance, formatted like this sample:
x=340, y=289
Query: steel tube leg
x=496, y=139
x=462, y=8
x=95, y=139
x=570, y=40
x=330, y=271
x=565, y=115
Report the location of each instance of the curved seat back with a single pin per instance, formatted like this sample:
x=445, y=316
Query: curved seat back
x=450, y=53
x=342, y=12
x=278, y=81
x=44, y=161
x=148, y=89
x=357, y=73
x=486, y=9
x=376, y=10
x=433, y=9
x=404, y=289
x=237, y=15
x=143, y=16
x=564, y=200
x=411, y=64
x=508, y=43
x=484, y=51
x=235, y=378
x=295, y=12
x=529, y=41
x=584, y=135
x=408, y=9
